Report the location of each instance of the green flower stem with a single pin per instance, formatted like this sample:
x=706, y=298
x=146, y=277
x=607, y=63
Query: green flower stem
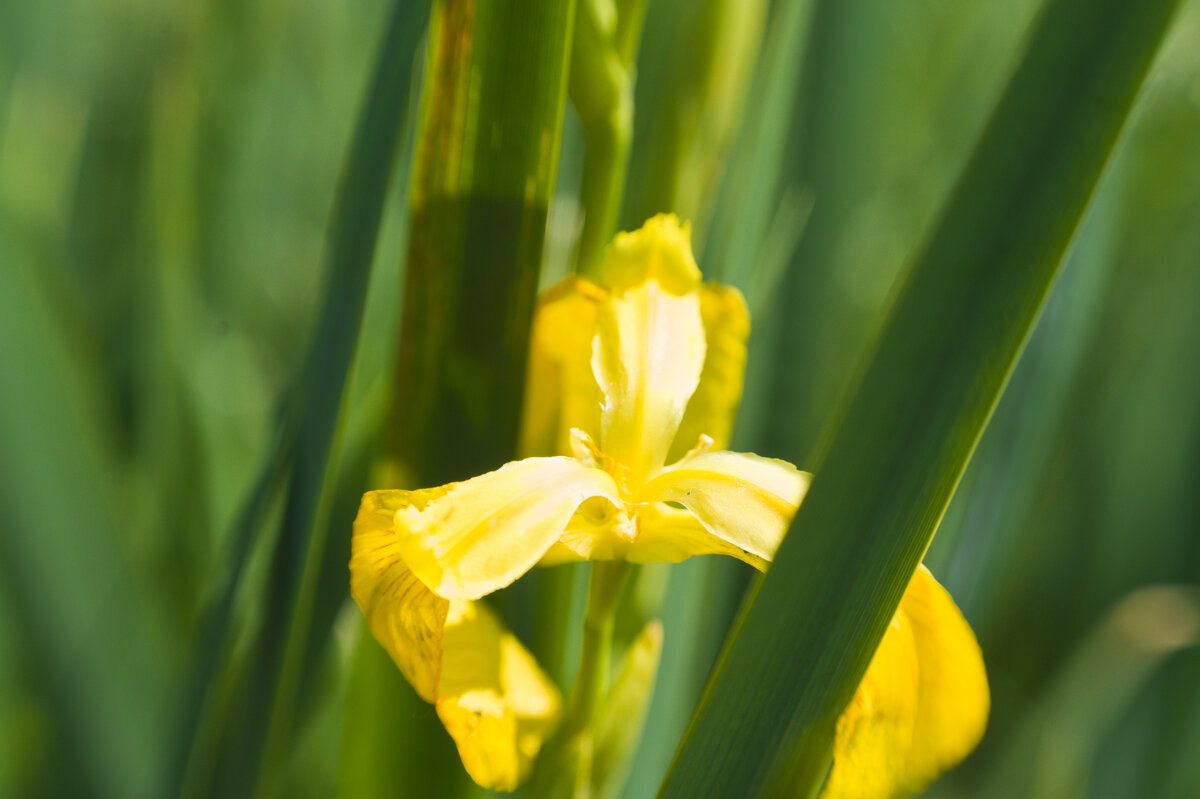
x=561, y=598
x=565, y=766
x=604, y=594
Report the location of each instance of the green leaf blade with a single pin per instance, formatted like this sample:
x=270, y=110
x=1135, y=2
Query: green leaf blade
x=899, y=445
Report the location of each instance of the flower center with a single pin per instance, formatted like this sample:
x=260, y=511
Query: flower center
x=586, y=451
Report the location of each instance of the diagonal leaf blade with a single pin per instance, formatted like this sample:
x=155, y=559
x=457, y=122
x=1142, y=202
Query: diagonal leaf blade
x=311, y=418
x=894, y=454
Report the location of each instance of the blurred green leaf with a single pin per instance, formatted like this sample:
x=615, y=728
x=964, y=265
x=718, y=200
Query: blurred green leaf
x=94, y=641
x=898, y=445
x=270, y=675
x=391, y=738
x=752, y=188
x=890, y=104
x=992, y=506
x=1051, y=756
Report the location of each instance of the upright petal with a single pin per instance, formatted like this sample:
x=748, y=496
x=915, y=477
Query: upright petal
x=560, y=389
x=713, y=406
x=465, y=540
x=921, y=707
x=744, y=500
x=495, y=702
x=649, y=347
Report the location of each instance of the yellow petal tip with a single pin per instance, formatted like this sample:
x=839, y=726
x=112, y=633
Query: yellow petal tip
x=660, y=250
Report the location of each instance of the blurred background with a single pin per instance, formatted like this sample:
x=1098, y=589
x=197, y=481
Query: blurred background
x=167, y=176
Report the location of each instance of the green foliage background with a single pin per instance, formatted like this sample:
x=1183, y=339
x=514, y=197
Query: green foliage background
x=168, y=177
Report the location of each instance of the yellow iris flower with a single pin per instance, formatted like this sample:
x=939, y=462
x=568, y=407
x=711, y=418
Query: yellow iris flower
x=638, y=380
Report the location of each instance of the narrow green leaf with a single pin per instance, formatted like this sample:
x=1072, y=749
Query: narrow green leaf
x=711, y=53
x=901, y=439
x=618, y=726
x=751, y=190
x=354, y=231
x=697, y=607
x=989, y=529
x=311, y=420
x=390, y=742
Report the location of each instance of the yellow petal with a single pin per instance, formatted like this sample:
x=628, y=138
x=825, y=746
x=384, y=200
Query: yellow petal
x=649, y=347
x=558, y=554
x=744, y=500
x=560, y=389
x=922, y=706
x=713, y=406
x=403, y=615
x=465, y=540
x=667, y=534
x=598, y=531
x=495, y=702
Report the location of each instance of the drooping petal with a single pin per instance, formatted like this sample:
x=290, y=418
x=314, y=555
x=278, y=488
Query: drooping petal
x=490, y=694
x=649, y=347
x=922, y=706
x=494, y=700
x=465, y=540
x=403, y=615
x=954, y=701
x=714, y=404
x=875, y=732
x=745, y=500
x=560, y=389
